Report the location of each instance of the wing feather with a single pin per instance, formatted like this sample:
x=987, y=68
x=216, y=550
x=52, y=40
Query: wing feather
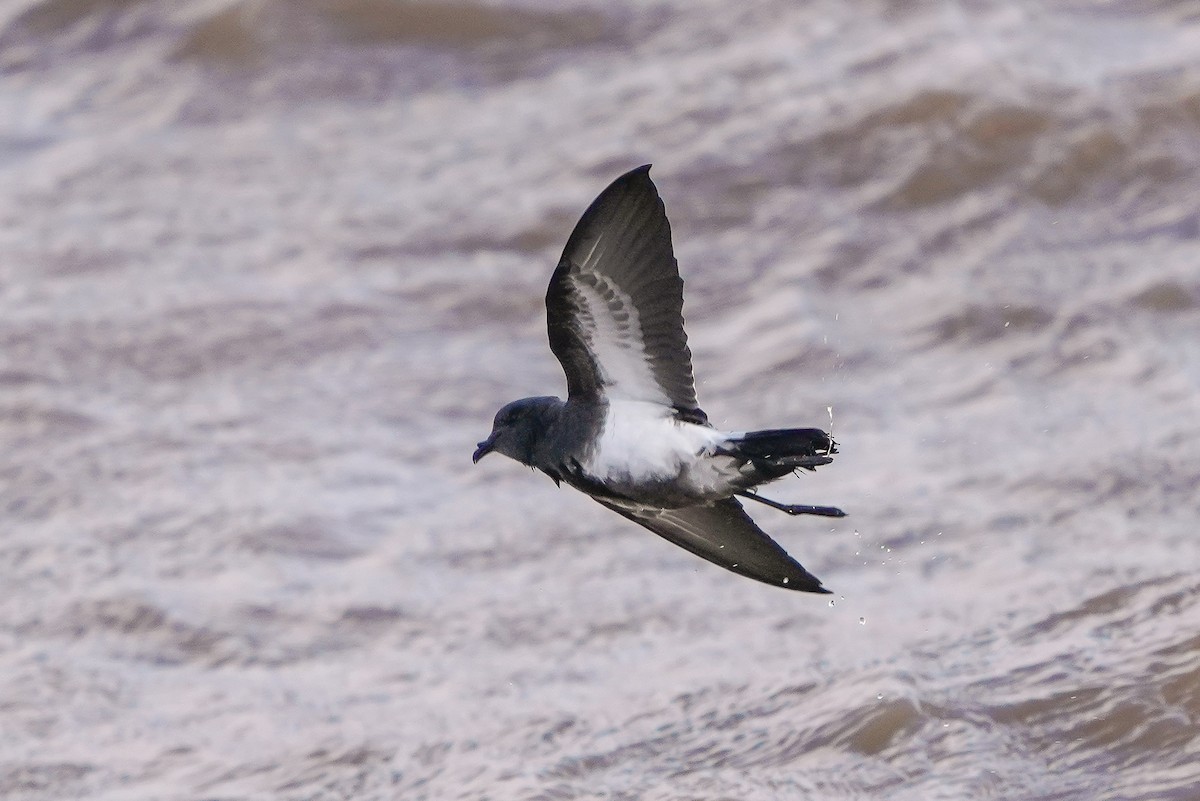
x=615, y=303
x=725, y=535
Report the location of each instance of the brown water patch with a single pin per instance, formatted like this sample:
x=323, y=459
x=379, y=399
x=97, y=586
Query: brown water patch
x=251, y=32
x=228, y=37
x=978, y=324
x=936, y=146
x=1167, y=297
x=1002, y=127
x=1135, y=726
x=143, y=631
x=64, y=27
x=872, y=731
x=923, y=150
x=1182, y=687
x=923, y=108
x=459, y=24
x=847, y=263
x=863, y=150
x=1172, y=106
x=1087, y=156
x=1143, y=152
x=1117, y=608
x=972, y=148
x=948, y=172
x=1037, y=711
x=1084, y=342
x=51, y=16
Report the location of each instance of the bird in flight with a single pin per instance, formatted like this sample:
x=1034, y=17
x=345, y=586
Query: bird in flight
x=631, y=434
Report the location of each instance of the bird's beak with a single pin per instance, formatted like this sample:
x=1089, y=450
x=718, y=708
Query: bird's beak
x=484, y=448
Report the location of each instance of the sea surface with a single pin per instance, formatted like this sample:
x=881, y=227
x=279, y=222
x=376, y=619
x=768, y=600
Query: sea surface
x=268, y=268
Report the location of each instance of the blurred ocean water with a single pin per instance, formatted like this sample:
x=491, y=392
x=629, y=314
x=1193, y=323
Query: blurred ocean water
x=268, y=267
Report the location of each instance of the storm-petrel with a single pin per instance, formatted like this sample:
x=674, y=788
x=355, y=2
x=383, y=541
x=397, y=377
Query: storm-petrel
x=630, y=433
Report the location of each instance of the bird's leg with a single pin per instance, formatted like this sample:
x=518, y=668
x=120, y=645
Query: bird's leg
x=795, y=508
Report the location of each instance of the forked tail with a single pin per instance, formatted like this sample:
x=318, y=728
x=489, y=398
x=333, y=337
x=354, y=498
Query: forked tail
x=778, y=451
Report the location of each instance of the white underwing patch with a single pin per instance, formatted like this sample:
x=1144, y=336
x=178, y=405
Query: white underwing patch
x=612, y=330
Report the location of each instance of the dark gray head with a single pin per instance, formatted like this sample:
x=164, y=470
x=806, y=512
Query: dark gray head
x=518, y=427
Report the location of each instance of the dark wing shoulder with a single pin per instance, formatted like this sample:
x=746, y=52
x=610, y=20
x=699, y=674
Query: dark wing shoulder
x=725, y=535
x=615, y=303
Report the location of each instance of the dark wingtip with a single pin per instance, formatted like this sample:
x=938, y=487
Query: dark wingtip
x=637, y=173
x=632, y=187
x=809, y=583
x=800, y=580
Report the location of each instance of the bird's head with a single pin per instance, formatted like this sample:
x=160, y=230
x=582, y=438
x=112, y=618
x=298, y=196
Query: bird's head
x=517, y=428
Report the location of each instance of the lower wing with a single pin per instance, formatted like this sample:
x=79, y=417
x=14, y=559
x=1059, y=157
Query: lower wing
x=725, y=535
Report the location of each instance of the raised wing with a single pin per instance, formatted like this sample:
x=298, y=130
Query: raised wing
x=615, y=303
x=725, y=535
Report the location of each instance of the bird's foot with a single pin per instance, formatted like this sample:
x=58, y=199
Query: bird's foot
x=805, y=509
x=795, y=508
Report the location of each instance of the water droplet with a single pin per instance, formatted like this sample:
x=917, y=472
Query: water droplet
x=862, y=621
x=878, y=696
x=831, y=603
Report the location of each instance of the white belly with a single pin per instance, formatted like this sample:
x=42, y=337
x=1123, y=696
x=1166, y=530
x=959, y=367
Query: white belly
x=643, y=443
